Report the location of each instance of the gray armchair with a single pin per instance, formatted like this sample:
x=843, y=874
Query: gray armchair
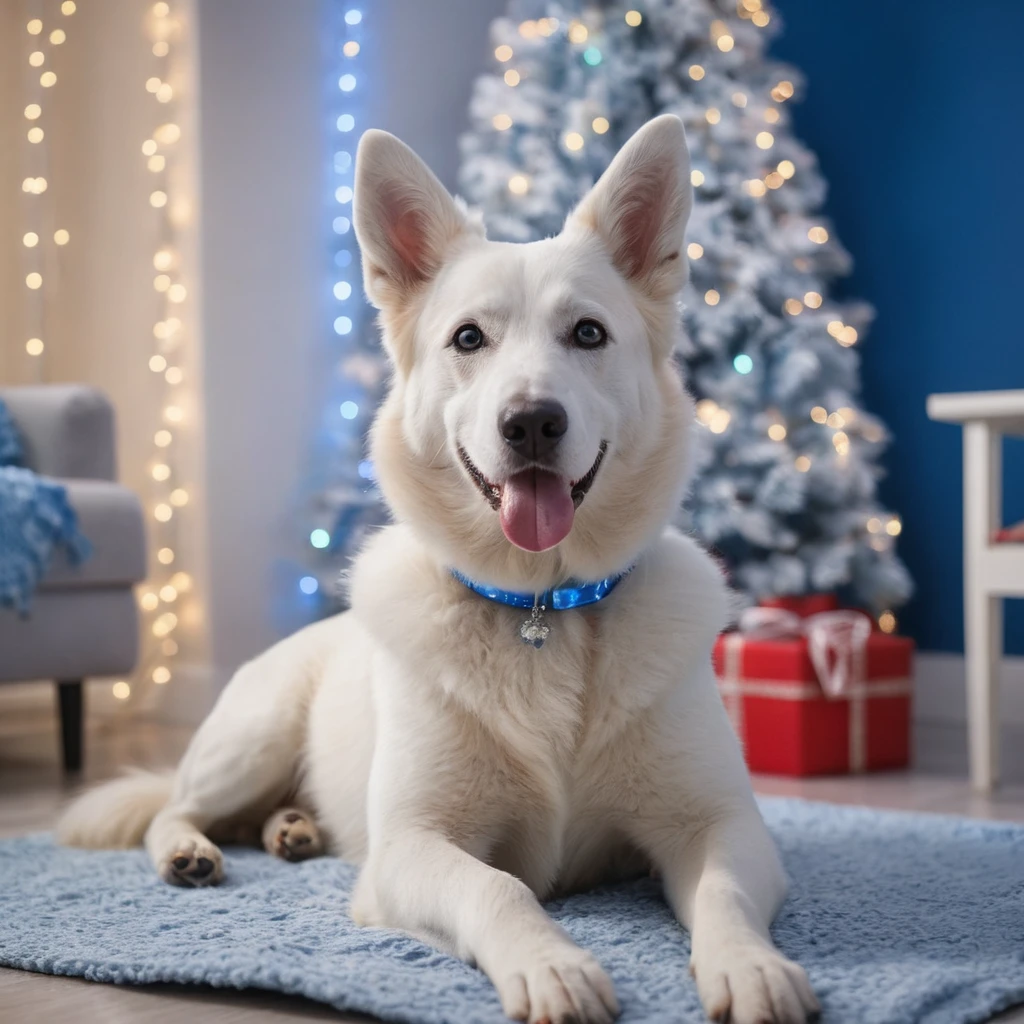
x=83, y=620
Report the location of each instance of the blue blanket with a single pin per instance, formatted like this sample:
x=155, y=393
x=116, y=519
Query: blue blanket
x=36, y=518
x=898, y=919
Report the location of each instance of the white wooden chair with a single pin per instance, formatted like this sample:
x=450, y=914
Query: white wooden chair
x=992, y=571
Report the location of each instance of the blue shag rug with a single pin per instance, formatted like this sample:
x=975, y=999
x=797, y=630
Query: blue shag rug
x=897, y=918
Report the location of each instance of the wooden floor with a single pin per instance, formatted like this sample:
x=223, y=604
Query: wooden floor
x=32, y=791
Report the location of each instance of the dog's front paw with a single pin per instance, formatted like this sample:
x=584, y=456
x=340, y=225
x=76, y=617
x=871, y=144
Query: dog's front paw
x=192, y=863
x=565, y=984
x=753, y=984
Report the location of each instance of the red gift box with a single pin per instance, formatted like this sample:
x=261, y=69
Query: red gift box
x=789, y=726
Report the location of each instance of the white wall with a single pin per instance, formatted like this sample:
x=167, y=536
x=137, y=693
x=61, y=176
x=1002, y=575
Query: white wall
x=265, y=257
x=264, y=195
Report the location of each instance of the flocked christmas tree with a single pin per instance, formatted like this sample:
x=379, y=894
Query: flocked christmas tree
x=786, y=459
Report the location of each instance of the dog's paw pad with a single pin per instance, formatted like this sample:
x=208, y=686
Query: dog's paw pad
x=292, y=835
x=193, y=864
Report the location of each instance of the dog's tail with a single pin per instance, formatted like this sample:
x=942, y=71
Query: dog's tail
x=115, y=816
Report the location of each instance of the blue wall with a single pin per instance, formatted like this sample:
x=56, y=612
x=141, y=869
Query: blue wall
x=915, y=111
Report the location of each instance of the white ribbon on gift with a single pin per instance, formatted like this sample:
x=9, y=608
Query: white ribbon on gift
x=837, y=642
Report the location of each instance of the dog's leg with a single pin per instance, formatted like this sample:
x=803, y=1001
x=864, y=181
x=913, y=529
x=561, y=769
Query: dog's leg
x=701, y=827
x=292, y=834
x=726, y=884
x=423, y=883
x=244, y=758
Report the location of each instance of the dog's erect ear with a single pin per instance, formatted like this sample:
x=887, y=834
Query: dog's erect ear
x=405, y=219
x=640, y=206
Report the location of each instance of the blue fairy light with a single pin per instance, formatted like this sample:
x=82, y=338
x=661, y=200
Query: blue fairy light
x=343, y=194
x=347, y=83
x=346, y=123
x=343, y=325
x=353, y=17
x=309, y=585
x=349, y=410
x=743, y=363
x=342, y=225
x=342, y=290
x=592, y=55
x=343, y=258
x=319, y=538
x=366, y=470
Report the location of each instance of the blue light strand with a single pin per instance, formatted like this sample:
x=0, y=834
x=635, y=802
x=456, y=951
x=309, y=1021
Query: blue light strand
x=343, y=415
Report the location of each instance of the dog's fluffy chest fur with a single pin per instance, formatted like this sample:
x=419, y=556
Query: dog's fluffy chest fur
x=540, y=727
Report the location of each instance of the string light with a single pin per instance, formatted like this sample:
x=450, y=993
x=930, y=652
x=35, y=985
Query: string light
x=887, y=622
x=712, y=115
x=512, y=77
x=600, y=125
x=819, y=414
x=764, y=140
x=817, y=234
x=777, y=432
x=794, y=307
x=344, y=323
x=502, y=122
x=712, y=297
x=503, y=54
x=159, y=153
x=695, y=250
x=783, y=91
x=696, y=178
x=786, y=168
x=719, y=421
x=696, y=72
x=802, y=463
x=706, y=409
x=39, y=214
x=578, y=32
x=573, y=141
x=720, y=36
x=519, y=184
x=812, y=300
x=633, y=18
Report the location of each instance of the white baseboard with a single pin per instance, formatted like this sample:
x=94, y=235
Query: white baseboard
x=940, y=689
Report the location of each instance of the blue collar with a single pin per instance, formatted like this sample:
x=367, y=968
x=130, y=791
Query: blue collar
x=572, y=594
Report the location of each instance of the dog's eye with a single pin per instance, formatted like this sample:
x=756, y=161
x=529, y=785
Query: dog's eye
x=468, y=338
x=589, y=334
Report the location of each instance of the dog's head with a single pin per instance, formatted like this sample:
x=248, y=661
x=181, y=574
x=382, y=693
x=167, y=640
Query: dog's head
x=536, y=425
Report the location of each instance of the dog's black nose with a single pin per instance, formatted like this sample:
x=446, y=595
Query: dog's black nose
x=533, y=429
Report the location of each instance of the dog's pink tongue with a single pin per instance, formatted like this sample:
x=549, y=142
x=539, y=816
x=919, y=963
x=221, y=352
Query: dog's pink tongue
x=536, y=509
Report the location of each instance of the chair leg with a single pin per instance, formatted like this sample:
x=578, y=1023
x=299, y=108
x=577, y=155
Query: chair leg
x=69, y=696
x=983, y=641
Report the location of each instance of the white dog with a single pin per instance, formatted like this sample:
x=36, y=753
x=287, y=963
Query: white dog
x=535, y=434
